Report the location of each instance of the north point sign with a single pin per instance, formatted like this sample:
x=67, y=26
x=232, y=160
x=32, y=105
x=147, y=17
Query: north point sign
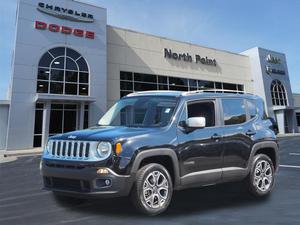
x=168, y=53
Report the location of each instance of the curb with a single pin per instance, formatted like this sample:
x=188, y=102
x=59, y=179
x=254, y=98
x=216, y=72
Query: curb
x=27, y=152
x=288, y=135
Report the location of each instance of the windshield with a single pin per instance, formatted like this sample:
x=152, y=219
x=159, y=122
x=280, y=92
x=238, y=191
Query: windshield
x=143, y=111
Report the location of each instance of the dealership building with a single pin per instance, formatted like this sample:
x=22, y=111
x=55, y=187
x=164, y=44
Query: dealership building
x=69, y=66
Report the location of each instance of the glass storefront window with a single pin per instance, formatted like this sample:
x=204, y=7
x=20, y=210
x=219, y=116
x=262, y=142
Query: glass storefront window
x=278, y=93
x=63, y=71
x=131, y=82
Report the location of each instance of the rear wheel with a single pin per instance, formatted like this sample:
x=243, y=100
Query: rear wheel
x=152, y=191
x=261, y=178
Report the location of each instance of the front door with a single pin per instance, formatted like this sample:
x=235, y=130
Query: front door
x=200, y=150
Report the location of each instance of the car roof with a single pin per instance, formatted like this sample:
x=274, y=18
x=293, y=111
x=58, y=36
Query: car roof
x=194, y=94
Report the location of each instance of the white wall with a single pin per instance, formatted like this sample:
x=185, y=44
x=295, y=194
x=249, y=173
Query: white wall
x=31, y=44
x=144, y=53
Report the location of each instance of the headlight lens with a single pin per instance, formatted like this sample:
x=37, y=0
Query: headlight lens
x=104, y=149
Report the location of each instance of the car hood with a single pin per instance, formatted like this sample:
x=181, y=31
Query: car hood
x=107, y=133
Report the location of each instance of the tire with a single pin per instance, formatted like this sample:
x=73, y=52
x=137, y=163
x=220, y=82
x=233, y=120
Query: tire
x=67, y=200
x=261, y=179
x=153, y=189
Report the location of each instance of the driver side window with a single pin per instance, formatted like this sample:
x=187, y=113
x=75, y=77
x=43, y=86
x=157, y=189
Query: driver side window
x=204, y=109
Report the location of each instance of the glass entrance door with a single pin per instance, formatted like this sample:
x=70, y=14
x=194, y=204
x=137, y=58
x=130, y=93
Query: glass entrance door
x=63, y=118
x=286, y=122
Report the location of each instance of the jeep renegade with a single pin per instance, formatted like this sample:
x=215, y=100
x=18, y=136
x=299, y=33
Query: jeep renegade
x=151, y=143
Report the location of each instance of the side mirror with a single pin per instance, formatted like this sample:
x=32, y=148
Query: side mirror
x=196, y=122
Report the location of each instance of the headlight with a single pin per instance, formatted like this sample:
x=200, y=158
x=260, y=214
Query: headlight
x=104, y=149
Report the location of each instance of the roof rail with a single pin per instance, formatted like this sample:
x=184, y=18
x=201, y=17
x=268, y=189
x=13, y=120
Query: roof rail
x=216, y=91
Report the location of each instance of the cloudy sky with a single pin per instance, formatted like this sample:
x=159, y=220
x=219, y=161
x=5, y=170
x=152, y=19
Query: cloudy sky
x=232, y=25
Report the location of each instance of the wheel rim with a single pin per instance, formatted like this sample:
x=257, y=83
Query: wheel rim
x=155, y=189
x=263, y=176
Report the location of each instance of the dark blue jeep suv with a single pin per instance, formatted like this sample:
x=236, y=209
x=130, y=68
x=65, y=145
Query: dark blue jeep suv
x=151, y=143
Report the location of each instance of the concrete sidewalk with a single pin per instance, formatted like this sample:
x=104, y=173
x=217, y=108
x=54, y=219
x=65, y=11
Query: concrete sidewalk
x=288, y=135
x=22, y=152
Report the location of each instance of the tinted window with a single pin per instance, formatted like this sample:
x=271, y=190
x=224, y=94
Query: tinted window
x=63, y=65
x=178, y=81
x=252, y=110
x=125, y=75
x=144, y=111
x=202, y=84
x=203, y=109
x=145, y=77
x=228, y=86
x=298, y=119
x=233, y=111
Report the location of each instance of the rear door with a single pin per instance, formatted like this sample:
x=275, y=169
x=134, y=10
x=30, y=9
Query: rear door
x=237, y=143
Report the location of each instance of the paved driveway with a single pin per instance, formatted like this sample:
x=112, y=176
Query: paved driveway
x=23, y=202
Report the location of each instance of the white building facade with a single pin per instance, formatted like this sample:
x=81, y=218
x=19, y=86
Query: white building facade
x=69, y=66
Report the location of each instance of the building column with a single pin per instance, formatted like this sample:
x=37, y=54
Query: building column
x=81, y=115
x=293, y=121
x=280, y=121
x=46, y=122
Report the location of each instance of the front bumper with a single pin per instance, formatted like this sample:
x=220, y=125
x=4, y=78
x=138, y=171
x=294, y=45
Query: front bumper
x=84, y=181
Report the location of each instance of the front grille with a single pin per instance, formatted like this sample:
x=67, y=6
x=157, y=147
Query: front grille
x=67, y=184
x=69, y=149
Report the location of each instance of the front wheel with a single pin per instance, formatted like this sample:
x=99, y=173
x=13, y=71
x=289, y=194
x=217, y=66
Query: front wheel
x=262, y=176
x=152, y=191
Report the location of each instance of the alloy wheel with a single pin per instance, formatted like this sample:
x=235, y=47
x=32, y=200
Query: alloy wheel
x=263, y=175
x=155, y=189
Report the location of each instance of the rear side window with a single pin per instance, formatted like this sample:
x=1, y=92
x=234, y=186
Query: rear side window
x=252, y=109
x=234, y=111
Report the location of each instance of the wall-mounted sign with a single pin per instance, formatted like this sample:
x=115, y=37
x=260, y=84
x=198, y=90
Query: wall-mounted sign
x=64, y=13
x=273, y=59
x=188, y=58
x=271, y=70
x=63, y=29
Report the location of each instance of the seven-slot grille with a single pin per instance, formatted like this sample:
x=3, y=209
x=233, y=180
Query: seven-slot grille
x=69, y=149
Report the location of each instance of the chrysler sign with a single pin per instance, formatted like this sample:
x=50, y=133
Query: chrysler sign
x=65, y=13
x=188, y=58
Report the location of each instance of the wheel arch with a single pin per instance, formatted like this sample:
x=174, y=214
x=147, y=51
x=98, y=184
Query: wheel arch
x=157, y=155
x=269, y=148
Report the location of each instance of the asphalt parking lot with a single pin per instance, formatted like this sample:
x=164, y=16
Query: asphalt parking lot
x=23, y=202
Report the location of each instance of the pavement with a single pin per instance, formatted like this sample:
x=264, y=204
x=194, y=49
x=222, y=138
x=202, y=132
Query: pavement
x=23, y=202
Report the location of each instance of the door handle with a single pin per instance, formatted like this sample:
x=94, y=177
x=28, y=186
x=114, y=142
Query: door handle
x=216, y=136
x=250, y=133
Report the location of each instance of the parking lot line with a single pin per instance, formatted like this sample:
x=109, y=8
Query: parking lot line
x=289, y=166
x=293, y=153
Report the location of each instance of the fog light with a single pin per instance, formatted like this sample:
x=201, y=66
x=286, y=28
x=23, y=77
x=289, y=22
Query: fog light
x=107, y=182
x=102, y=183
x=102, y=171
